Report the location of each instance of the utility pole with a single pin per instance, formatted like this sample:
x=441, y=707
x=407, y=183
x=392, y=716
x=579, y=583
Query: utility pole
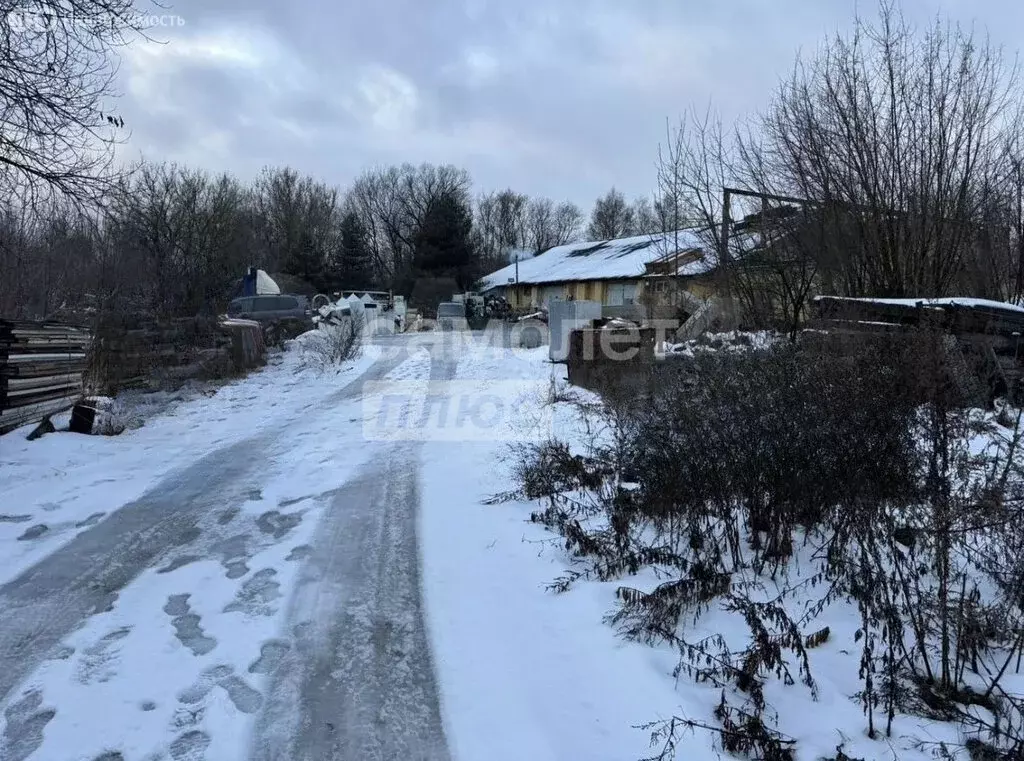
x=723, y=255
x=1018, y=180
x=517, y=277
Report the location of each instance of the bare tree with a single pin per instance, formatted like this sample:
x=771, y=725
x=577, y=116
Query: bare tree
x=45, y=258
x=695, y=162
x=541, y=230
x=645, y=217
x=567, y=224
x=176, y=241
x=278, y=196
x=612, y=217
x=392, y=204
x=372, y=200
x=551, y=225
x=903, y=134
x=58, y=60
x=504, y=223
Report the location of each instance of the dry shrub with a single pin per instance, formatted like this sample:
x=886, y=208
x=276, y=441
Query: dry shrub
x=331, y=345
x=865, y=449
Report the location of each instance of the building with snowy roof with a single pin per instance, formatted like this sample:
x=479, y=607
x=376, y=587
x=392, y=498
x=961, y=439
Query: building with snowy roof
x=620, y=274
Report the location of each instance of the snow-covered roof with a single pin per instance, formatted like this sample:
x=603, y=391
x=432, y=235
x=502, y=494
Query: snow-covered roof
x=603, y=260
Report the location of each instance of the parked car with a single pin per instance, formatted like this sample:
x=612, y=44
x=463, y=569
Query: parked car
x=451, y=315
x=282, y=316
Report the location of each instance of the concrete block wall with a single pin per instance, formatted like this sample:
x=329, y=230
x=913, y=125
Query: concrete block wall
x=612, y=362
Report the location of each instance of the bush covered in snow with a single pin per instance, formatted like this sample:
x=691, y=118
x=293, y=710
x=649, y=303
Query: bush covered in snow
x=735, y=340
x=788, y=490
x=117, y=417
x=332, y=344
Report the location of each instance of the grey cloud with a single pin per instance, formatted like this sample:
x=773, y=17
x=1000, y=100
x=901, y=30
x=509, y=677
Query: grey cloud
x=572, y=95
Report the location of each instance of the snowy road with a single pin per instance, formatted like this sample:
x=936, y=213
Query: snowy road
x=352, y=678
x=360, y=665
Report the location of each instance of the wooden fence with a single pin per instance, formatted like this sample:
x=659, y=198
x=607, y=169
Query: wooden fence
x=46, y=368
x=142, y=353
x=41, y=367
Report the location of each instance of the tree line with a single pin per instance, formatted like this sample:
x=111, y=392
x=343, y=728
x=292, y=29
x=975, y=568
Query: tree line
x=79, y=228
x=175, y=240
x=905, y=144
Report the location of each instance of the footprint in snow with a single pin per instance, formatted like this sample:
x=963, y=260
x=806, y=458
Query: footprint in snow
x=186, y=625
x=92, y=520
x=34, y=532
x=272, y=652
x=245, y=698
x=256, y=594
x=190, y=746
x=234, y=553
x=278, y=524
x=26, y=720
x=98, y=660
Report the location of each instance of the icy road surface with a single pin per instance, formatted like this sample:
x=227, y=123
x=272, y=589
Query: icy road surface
x=285, y=563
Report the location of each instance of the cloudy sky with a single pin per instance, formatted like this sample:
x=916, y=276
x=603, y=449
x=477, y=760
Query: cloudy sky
x=558, y=98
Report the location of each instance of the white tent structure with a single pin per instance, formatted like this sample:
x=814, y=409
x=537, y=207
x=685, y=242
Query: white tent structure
x=356, y=305
x=265, y=285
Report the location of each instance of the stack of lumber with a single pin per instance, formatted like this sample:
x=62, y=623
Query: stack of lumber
x=150, y=353
x=41, y=367
x=992, y=329
x=963, y=317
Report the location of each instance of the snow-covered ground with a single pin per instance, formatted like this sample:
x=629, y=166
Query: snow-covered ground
x=187, y=638
x=524, y=674
x=528, y=673
x=62, y=484
x=181, y=662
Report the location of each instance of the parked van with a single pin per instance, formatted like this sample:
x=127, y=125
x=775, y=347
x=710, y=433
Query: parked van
x=451, y=315
x=267, y=309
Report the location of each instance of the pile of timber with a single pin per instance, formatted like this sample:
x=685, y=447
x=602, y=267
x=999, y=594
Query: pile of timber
x=137, y=353
x=993, y=330
x=41, y=370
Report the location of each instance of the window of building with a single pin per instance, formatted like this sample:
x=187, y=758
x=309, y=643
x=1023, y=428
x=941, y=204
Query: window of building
x=620, y=294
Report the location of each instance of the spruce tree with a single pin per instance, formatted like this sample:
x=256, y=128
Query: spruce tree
x=444, y=244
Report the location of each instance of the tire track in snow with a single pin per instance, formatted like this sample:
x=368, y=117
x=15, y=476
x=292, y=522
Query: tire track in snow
x=83, y=577
x=359, y=682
